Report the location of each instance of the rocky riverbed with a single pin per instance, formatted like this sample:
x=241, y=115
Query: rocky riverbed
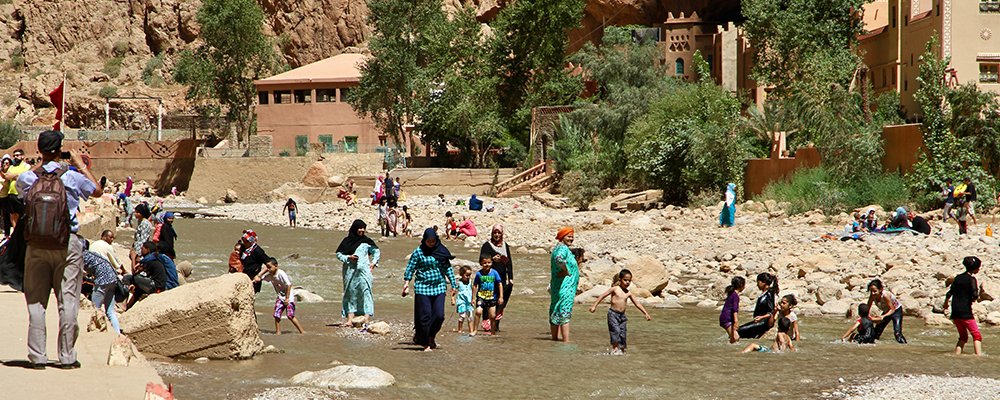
x=680, y=257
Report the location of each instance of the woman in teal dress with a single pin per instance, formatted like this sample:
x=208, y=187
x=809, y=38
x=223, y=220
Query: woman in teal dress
x=360, y=256
x=562, y=287
x=727, y=217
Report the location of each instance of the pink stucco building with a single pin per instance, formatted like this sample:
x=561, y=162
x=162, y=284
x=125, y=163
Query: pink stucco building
x=307, y=105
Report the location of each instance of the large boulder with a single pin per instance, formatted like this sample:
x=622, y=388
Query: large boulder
x=317, y=175
x=346, y=377
x=211, y=318
x=648, y=273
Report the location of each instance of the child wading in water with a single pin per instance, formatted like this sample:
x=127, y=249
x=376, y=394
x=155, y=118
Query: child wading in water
x=863, y=330
x=782, y=341
x=785, y=306
x=488, y=288
x=462, y=298
x=965, y=290
x=283, y=286
x=886, y=301
x=728, y=319
x=617, y=322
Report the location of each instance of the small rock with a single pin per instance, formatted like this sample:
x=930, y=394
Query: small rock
x=379, y=328
x=270, y=349
x=231, y=196
x=304, y=296
x=707, y=303
x=202, y=200
x=201, y=360
x=526, y=292
x=123, y=352
x=293, y=256
x=358, y=322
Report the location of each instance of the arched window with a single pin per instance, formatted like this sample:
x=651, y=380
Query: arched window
x=679, y=67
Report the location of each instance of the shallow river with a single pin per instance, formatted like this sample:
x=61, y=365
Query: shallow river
x=680, y=354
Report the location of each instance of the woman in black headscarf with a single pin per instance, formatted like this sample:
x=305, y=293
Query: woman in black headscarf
x=360, y=256
x=497, y=249
x=430, y=270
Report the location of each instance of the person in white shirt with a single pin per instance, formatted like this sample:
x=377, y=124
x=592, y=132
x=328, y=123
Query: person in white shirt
x=104, y=249
x=285, y=304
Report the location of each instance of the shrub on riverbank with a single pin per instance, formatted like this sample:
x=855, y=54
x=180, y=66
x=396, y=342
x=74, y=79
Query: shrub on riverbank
x=816, y=188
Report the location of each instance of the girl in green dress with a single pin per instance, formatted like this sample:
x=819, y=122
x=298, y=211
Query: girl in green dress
x=565, y=278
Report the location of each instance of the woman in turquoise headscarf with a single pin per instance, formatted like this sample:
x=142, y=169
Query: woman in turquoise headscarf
x=360, y=256
x=562, y=287
x=728, y=215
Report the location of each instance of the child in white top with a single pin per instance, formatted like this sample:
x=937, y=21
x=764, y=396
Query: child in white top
x=283, y=287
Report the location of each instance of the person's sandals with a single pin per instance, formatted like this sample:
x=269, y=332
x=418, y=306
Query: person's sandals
x=74, y=365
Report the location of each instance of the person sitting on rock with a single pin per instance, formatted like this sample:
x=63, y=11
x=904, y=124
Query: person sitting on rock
x=918, y=223
x=467, y=228
x=150, y=276
x=871, y=221
x=899, y=219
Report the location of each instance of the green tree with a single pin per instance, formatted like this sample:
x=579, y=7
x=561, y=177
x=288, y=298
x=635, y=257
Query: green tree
x=946, y=154
x=235, y=53
x=803, y=40
x=10, y=133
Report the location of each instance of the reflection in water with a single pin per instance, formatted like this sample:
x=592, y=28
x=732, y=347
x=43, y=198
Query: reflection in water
x=680, y=354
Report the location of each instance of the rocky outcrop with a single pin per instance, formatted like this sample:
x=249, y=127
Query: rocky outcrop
x=346, y=377
x=317, y=175
x=211, y=318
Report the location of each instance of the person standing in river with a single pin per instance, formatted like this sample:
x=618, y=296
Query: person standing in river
x=291, y=208
x=563, y=284
x=252, y=256
x=763, y=311
x=430, y=270
x=497, y=249
x=360, y=256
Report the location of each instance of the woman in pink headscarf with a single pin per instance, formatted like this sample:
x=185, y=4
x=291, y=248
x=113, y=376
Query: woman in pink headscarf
x=379, y=190
x=499, y=251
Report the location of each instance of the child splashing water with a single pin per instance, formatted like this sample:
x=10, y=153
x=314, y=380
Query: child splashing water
x=863, y=330
x=782, y=341
x=617, y=322
x=893, y=310
x=729, y=318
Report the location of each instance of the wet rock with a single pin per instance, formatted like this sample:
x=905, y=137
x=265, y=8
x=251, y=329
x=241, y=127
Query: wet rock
x=211, y=318
x=270, y=349
x=379, y=328
x=304, y=296
x=346, y=377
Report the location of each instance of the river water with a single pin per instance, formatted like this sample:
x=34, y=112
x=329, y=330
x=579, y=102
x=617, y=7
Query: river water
x=679, y=354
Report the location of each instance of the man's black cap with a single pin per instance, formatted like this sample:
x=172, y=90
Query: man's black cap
x=50, y=141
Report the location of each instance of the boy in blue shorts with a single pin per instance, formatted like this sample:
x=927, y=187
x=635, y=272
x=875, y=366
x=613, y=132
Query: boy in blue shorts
x=488, y=289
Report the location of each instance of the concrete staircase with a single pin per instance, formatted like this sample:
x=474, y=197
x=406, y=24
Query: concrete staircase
x=432, y=181
x=532, y=180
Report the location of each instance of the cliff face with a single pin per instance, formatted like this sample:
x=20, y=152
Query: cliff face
x=105, y=44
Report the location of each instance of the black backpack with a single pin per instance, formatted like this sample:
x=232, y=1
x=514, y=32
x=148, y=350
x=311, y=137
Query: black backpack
x=47, y=211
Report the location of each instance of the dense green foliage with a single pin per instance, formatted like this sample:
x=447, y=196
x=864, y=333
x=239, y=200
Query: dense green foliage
x=460, y=84
x=235, y=52
x=952, y=140
x=802, y=41
x=817, y=188
x=10, y=133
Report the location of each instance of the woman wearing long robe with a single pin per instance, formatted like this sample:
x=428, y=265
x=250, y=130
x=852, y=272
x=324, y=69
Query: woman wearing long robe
x=728, y=215
x=360, y=256
x=563, y=285
x=497, y=249
x=430, y=269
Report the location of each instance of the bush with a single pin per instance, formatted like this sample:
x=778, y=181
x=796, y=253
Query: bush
x=817, y=188
x=120, y=49
x=284, y=153
x=108, y=91
x=17, y=58
x=113, y=67
x=10, y=133
x=150, y=73
x=581, y=189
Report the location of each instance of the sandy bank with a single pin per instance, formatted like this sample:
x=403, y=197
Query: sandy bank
x=94, y=380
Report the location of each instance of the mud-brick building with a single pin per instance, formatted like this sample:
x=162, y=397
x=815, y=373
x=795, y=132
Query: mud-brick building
x=307, y=106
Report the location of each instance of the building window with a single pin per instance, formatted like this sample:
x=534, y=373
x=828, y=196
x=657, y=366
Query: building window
x=282, y=97
x=344, y=93
x=989, y=6
x=301, y=145
x=262, y=98
x=327, y=141
x=351, y=144
x=303, y=96
x=989, y=73
x=326, y=95
x=679, y=67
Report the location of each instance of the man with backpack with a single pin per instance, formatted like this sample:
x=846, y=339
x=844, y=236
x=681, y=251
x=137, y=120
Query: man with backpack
x=54, y=257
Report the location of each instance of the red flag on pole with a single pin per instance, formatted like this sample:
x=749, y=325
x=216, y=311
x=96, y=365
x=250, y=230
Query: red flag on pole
x=56, y=97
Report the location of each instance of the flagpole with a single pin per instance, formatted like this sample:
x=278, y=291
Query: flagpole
x=62, y=120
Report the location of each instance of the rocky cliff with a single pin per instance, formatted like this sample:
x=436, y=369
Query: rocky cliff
x=129, y=46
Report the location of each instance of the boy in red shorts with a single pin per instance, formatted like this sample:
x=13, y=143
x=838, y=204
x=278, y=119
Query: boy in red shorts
x=965, y=290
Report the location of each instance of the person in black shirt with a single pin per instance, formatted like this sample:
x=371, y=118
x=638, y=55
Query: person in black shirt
x=970, y=195
x=150, y=278
x=965, y=290
x=918, y=223
x=252, y=256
